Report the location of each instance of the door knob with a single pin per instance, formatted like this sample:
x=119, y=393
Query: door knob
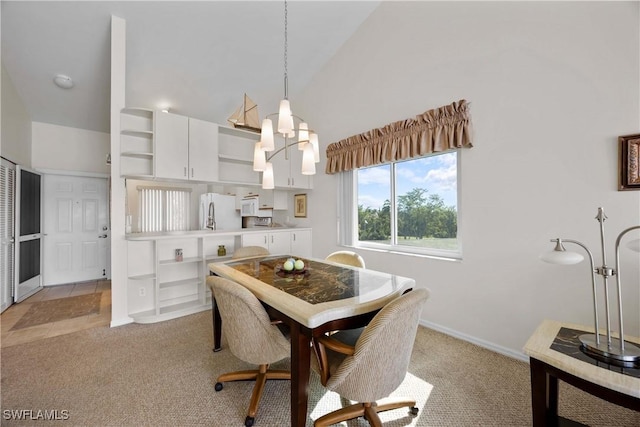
x=104, y=236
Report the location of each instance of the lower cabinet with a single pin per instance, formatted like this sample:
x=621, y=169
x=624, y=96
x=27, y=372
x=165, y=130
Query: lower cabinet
x=167, y=275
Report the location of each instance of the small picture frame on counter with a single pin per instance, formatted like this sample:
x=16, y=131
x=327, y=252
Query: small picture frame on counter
x=179, y=255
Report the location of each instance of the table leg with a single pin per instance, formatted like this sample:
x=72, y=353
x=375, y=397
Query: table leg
x=544, y=395
x=300, y=370
x=217, y=326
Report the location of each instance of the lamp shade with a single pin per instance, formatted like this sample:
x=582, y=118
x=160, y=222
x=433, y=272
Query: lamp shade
x=303, y=135
x=285, y=119
x=259, y=159
x=266, y=136
x=313, y=139
x=634, y=245
x=308, y=165
x=267, y=177
x=559, y=255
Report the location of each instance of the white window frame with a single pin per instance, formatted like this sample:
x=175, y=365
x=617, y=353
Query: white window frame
x=348, y=216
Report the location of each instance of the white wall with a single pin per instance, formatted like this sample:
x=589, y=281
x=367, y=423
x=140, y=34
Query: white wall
x=551, y=86
x=16, y=125
x=69, y=149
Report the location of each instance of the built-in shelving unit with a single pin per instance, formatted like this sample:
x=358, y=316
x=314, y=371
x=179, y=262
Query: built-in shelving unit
x=136, y=143
x=162, y=288
x=235, y=156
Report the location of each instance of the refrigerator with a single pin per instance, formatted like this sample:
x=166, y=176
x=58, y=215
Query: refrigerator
x=221, y=209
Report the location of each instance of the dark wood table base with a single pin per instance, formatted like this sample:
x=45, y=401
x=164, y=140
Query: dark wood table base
x=544, y=394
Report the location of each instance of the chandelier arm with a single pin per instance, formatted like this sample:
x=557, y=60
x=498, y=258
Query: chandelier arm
x=283, y=148
x=619, y=282
x=593, y=287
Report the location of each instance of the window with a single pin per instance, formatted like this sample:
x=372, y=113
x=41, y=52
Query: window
x=163, y=209
x=409, y=206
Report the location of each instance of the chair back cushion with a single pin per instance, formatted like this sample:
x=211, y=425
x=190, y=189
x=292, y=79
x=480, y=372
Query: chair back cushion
x=249, y=251
x=346, y=258
x=383, y=351
x=246, y=325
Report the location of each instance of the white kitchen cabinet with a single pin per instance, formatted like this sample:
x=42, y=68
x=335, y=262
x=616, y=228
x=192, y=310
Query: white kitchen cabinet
x=274, y=199
x=203, y=150
x=136, y=143
x=287, y=173
x=301, y=243
x=172, y=146
x=278, y=243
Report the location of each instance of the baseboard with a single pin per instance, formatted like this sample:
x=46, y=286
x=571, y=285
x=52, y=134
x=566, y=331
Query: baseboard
x=121, y=322
x=473, y=340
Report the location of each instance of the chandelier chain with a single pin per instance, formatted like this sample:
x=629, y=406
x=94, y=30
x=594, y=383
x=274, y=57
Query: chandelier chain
x=286, y=45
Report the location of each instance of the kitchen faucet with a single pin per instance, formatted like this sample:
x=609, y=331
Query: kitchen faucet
x=211, y=219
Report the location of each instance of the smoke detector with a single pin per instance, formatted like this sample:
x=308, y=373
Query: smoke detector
x=65, y=82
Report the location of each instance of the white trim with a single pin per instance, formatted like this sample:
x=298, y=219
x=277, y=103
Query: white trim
x=479, y=342
x=73, y=173
x=121, y=322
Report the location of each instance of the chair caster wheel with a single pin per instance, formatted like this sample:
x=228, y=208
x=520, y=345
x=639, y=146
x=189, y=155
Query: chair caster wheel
x=413, y=410
x=218, y=386
x=248, y=422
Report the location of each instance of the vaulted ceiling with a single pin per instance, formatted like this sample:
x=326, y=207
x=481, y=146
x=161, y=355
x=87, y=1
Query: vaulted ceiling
x=198, y=58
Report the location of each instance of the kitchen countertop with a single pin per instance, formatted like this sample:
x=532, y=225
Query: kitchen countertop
x=206, y=233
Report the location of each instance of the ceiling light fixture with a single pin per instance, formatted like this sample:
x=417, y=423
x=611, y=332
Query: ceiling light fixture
x=65, y=82
x=307, y=139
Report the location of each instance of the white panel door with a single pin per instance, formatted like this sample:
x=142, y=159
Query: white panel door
x=76, y=228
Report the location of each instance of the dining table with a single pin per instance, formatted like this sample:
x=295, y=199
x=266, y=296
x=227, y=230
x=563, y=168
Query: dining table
x=320, y=297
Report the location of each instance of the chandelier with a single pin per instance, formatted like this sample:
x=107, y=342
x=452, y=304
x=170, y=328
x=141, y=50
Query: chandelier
x=293, y=129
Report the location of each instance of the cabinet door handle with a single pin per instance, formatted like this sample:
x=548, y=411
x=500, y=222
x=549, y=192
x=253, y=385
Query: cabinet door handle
x=185, y=171
x=265, y=240
x=191, y=172
x=271, y=239
x=294, y=237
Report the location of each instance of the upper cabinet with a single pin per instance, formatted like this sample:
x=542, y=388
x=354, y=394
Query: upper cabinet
x=186, y=148
x=287, y=172
x=157, y=145
x=172, y=146
x=203, y=150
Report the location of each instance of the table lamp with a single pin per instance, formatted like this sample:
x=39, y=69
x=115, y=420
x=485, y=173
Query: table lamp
x=613, y=350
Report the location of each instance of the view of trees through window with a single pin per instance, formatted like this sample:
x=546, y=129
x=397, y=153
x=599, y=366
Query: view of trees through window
x=424, y=208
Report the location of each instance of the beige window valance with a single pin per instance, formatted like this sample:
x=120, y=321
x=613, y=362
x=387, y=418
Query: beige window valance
x=436, y=130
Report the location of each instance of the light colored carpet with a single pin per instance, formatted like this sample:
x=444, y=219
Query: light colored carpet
x=163, y=375
x=59, y=309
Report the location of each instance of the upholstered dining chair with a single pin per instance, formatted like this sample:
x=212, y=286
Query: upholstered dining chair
x=369, y=367
x=249, y=251
x=346, y=258
x=251, y=337
x=244, y=252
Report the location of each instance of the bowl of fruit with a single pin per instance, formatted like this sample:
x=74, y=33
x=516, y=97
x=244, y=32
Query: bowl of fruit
x=292, y=266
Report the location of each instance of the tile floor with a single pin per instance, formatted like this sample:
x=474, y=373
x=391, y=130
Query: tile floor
x=11, y=315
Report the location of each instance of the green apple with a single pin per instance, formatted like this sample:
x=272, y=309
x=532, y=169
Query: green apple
x=299, y=264
x=288, y=265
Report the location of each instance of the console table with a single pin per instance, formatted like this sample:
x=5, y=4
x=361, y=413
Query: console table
x=555, y=354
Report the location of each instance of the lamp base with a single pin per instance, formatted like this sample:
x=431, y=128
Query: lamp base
x=612, y=353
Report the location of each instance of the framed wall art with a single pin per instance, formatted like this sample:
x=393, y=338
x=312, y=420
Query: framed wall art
x=300, y=205
x=629, y=162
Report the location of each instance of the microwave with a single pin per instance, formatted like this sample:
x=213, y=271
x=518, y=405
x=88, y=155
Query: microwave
x=251, y=207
